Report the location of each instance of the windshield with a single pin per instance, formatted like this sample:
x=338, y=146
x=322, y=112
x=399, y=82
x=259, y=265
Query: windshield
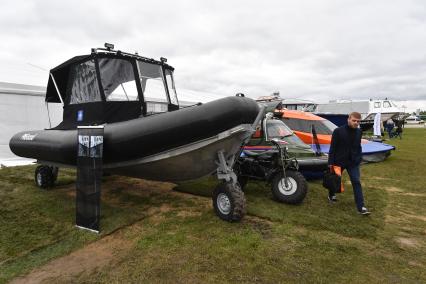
x=172, y=88
x=303, y=125
x=151, y=77
x=153, y=87
x=277, y=129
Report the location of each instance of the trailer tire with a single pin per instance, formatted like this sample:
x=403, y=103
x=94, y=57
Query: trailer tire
x=44, y=176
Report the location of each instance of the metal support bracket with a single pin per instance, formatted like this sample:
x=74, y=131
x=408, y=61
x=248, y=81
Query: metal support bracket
x=224, y=169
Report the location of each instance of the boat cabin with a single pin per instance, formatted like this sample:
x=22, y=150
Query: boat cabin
x=110, y=86
x=367, y=108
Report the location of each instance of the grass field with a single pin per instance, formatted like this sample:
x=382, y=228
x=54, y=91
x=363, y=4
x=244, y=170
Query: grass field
x=156, y=232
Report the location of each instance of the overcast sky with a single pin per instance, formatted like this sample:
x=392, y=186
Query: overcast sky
x=313, y=50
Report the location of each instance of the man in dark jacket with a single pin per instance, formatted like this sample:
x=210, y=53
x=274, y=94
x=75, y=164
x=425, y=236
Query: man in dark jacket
x=345, y=152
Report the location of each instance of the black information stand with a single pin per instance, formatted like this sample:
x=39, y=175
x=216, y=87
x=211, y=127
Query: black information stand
x=89, y=177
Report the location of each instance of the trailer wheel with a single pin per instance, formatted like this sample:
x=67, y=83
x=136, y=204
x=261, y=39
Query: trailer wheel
x=229, y=202
x=294, y=192
x=44, y=176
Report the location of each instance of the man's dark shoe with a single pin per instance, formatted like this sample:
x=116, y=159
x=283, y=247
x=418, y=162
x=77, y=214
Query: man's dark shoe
x=332, y=198
x=364, y=211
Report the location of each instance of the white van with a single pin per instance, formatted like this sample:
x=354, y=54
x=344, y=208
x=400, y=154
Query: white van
x=412, y=119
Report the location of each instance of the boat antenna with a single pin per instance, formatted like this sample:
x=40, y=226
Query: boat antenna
x=36, y=66
x=47, y=105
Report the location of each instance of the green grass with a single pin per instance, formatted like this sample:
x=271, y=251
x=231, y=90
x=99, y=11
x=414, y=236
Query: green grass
x=186, y=242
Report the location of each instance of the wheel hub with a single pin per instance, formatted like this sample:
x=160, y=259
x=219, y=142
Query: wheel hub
x=290, y=188
x=223, y=204
x=39, y=179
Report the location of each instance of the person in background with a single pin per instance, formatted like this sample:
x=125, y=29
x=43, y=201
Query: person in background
x=389, y=127
x=398, y=132
x=345, y=152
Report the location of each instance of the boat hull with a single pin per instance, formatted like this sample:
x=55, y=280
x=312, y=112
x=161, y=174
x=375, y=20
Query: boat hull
x=318, y=164
x=371, y=151
x=177, y=145
x=188, y=162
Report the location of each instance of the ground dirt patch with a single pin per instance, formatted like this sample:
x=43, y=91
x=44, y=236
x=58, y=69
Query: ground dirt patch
x=418, y=217
x=407, y=242
x=393, y=189
x=380, y=178
x=109, y=250
x=262, y=226
x=94, y=256
x=414, y=194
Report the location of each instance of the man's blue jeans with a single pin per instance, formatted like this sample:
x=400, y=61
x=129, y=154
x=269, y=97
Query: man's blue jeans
x=354, y=175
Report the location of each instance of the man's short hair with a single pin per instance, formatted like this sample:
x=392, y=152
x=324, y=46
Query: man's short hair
x=355, y=115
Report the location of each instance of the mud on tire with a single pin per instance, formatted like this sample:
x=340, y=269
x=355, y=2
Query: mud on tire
x=296, y=190
x=229, y=202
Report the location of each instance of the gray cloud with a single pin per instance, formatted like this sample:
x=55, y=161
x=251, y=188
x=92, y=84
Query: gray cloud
x=318, y=50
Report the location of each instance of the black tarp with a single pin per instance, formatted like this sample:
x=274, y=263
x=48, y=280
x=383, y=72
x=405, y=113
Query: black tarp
x=61, y=74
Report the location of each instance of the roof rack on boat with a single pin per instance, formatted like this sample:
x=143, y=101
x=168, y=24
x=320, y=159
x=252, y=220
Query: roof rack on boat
x=109, y=49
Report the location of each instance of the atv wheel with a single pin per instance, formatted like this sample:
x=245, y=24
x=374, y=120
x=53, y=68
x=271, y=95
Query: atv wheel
x=44, y=176
x=294, y=192
x=229, y=202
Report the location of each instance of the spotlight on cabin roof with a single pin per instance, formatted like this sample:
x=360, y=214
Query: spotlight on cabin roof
x=163, y=59
x=109, y=46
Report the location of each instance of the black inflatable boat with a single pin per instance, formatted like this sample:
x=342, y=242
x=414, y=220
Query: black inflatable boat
x=173, y=146
x=146, y=134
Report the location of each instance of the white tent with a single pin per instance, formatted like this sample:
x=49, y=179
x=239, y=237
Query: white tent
x=22, y=107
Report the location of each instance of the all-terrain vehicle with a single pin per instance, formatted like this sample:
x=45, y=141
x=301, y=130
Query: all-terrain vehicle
x=266, y=157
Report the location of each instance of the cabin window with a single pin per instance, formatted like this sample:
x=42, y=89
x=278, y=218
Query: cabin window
x=386, y=104
x=153, y=88
x=377, y=104
x=171, y=86
x=83, y=85
x=118, y=80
